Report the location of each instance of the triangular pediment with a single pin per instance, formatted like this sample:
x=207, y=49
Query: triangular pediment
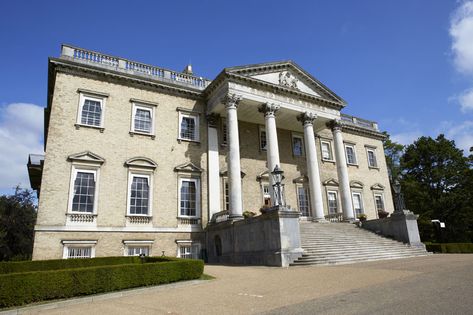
x=300, y=180
x=87, y=157
x=141, y=162
x=224, y=173
x=188, y=168
x=330, y=182
x=287, y=75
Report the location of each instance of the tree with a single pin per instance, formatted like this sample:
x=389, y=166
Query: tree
x=393, y=152
x=17, y=220
x=437, y=182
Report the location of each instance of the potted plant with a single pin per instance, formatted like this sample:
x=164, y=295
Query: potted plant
x=248, y=214
x=362, y=217
x=382, y=214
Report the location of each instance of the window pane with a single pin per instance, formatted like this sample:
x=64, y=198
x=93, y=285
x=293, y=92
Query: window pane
x=326, y=154
x=79, y=252
x=332, y=203
x=188, y=198
x=262, y=140
x=139, y=196
x=350, y=155
x=297, y=146
x=303, y=201
x=137, y=250
x=357, y=204
x=84, y=191
x=371, y=159
x=379, y=203
x=91, y=113
x=224, y=133
x=227, y=197
x=143, y=120
x=188, y=128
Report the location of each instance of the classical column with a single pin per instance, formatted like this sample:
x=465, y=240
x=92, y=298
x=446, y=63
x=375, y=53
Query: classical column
x=272, y=147
x=313, y=173
x=342, y=171
x=234, y=170
x=213, y=164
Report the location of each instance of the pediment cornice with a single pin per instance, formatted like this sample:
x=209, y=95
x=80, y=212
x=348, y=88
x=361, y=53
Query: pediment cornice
x=86, y=157
x=188, y=168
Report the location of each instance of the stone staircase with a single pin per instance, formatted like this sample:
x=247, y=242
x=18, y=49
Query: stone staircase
x=344, y=243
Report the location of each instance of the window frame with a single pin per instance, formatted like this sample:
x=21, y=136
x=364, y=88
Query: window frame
x=351, y=146
x=143, y=174
x=197, y=197
x=373, y=151
x=264, y=195
x=335, y=192
x=83, y=169
x=329, y=144
x=381, y=195
x=362, y=208
x=301, y=137
x=224, y=132
x=196, y=118
x=67, y=245
x=137, y=244
x=195, y=248
x=83, y=96
x=307, y=197
x=151, y=108
x=261, y=130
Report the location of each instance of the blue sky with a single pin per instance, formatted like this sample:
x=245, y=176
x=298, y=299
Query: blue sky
x=407, y=64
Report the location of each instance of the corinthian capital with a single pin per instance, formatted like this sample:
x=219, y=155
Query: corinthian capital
x=231, y=100
x=306, y=118
x=269, y=109
x=335, y=124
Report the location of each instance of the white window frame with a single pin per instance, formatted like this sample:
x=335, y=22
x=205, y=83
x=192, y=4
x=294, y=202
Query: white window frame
x=224, y=129
x=151, y=109
x=336, y=199
x=93, y=97
x=381, y=195
x=352, y=146
x=83, y=169
x=265, y=195
x=67, y=245
x=329, y=144
x=301, y=137
x=137, y=244
x=306, y=189
x=226, y=193
x=197, y=197
x=143, y=174
x=196, y=117
x=262, y=129
x=362, y=208
x=373, y=151
x=194, y=246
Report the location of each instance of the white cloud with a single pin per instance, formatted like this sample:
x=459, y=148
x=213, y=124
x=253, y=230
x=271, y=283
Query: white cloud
x=466, y=99
x=461, y=31
x=406, y=138
x=462, y=134
x=21, y=131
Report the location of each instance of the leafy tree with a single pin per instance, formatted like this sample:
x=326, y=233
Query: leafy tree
x=437, y=181
x=17, y=220
x=393, y=152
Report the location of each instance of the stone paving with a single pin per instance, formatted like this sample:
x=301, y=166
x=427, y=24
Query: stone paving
x=302, y=290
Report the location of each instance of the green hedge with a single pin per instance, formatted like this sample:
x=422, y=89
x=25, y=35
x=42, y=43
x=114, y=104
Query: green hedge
x=19, y=288
x=449, y=247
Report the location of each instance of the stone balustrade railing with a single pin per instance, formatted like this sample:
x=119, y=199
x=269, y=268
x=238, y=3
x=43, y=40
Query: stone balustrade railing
x=80, y=218
x=189, y=221
x=133, y=67
x=334, y=217
x=220, y=216
x=139, y=219
x=359, y=122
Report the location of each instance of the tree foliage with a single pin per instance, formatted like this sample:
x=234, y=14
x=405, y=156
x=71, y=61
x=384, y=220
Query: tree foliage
x=393, y=152
x=437, y=181
x=17, y=220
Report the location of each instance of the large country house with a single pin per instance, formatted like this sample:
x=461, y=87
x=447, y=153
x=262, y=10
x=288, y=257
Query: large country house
x=139, y=159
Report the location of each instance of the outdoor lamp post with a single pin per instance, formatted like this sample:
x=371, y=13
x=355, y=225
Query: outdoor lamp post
x=277, y=175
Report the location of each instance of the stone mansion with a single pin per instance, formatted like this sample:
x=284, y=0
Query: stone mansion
x=139, y=159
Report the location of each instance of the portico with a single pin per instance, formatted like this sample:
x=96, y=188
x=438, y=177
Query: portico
x=286, y=99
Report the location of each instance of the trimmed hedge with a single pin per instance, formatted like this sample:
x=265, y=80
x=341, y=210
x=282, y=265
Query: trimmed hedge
x=450, y=248
x=95, y=275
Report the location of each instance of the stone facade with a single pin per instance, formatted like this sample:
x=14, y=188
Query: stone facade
x=113, y=150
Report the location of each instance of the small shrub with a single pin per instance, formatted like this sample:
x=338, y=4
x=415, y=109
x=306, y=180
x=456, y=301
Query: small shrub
x=248, y=214
x=449, y=248
x=383, y=214
x=362, y=217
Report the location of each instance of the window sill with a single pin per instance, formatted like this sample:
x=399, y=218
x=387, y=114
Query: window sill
x=328, y=161
x=152, y=136
x=196, y=142
x=373, y=168
x=78, y=126
x=138, y=219
x=354, y=165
